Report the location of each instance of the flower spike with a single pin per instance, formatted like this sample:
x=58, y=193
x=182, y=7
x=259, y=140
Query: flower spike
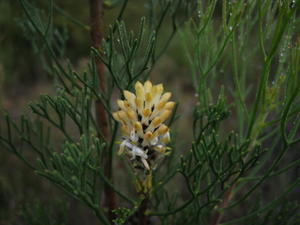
x=142, y=114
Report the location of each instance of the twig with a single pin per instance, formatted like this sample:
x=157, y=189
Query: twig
x=219, y=215
x=144, y=193
x=141, y=213
x=96, y=24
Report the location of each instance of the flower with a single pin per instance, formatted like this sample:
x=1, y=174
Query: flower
x=142, y=116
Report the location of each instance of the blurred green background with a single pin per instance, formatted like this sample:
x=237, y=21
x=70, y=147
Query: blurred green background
x=23, y=78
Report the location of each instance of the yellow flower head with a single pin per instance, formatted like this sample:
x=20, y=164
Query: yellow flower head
x=142, y=117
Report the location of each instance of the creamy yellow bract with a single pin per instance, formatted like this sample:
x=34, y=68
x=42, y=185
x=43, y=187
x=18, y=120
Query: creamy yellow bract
x=142, y=117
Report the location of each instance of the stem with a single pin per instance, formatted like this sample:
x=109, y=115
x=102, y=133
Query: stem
x=141, y=213
x=145, y=186
x=218, y=216
x=97, y=30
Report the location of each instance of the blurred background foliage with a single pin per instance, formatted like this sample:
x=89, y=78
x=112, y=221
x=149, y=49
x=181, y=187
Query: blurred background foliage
x=23, y=76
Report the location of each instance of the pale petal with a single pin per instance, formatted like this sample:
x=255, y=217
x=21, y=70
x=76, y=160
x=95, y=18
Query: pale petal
x=165, y=138
x=165, y=115
x=144, y=161
x=162, y=129
x=131, y=114
x=139, y=88
x=147, y=86
x=122, y=147
x=166, y=96
x=170, y=105
x=125, y=130
x=130, y=98
x=138, y=127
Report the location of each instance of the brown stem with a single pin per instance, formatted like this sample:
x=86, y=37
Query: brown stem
x=226, y=198
x=217, y=217
x=97, y=31
x=144, y=188
x=142, y=217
